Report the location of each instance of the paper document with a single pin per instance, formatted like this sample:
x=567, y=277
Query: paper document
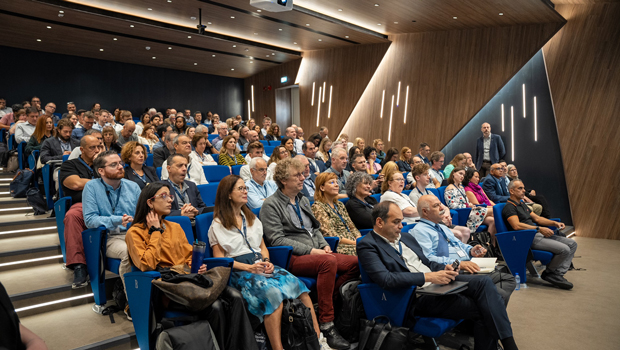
x=487, y=265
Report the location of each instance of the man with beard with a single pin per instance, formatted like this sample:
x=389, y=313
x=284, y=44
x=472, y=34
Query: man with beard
x=53, y=148
x=111, y=201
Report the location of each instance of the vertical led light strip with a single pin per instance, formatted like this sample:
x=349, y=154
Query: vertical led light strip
x=406, y=103
x=323, y=92
x=502, y=117
x=512, y=130
x=312, y=101
x=523, y=100
x=329, y=108
x=398, y=95
x=382, y=104
x=318, y=113
x=391, y=114
x=252, y=98
x=249, y=110
x=535, y=121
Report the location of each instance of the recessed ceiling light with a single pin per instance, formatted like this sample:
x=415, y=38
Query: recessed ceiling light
x=61, y=11
x=255, y=33
x=454, y=17
x=280, y=29
x=259, y=10
x=298, y=48
x=169, y=47
x=48, y=27
x=100, y=49
x=501, y=13
x=267, y=55
x=376, y=4
x=195, y=63
x=148, y=47
x=60, y=15
x=294, y=43
x=150, y=9
x=189, y=36
x=114, y=39
x=131, y=26
x=232, y=69
x=169, y=0
x=233, y=17
x=307, y=24
x=251, y=57
x=320, y=39
x=212, y=55
x=340, y=10
x=234, y=45
x=38, y=39
x=251, y=61
x=346, y=36
x=154, y=57
x=246, y=50
x=273, y=54
x=193, y=18
x=395, y=22
x=378, y=24
x=209, y=23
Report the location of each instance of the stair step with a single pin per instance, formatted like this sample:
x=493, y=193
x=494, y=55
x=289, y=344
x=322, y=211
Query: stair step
x=10, y=202
x=11, y=222
x=79, y=327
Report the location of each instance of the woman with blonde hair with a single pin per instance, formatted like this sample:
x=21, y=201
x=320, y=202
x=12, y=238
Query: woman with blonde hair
x=360, y=143
x=324, y=147
x=404, y=164
x=279, y=153
x=459, y=160
x=392, y=191
x=333, y=215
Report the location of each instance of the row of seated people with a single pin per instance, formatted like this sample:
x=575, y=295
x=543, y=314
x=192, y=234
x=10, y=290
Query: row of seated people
x=288, y=220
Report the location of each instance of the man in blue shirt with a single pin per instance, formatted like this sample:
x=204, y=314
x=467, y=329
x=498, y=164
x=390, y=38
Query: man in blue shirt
x=111, y=202
x=259, y=188
x=441, y=246
x=89, y=121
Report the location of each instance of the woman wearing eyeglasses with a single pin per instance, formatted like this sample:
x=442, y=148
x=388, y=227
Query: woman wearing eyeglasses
x=237, y=233
x=154, y=243
x=392, y=190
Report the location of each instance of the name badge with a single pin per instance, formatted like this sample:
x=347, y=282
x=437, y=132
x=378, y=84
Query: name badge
x=460, y=253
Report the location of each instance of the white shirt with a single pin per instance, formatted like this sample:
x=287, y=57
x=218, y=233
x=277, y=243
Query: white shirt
x=411, y=259
x=403, y=202
x=248, y=158
x=138, y=131
x=437, y=175
x=194, y=174
x=246, y=174
x=75, y=153
x=232, y=240
x=270, y=170
x=206, y=159
x=298, y=144
x=23, y=131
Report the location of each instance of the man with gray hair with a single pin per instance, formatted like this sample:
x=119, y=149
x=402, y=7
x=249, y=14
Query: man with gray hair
x=222, y=130
x=339, y=163
x=259, y=188
x=182, y=145
x=202, y=129
x=297, y=144
x=162, y=153
x=243, y=138
x=309, y=178
x=127, y=134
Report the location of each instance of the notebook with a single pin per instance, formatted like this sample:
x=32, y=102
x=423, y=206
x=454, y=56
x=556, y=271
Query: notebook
x=487, y=265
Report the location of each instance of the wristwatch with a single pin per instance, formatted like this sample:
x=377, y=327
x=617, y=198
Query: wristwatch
x=153, y=229
x=266, y=260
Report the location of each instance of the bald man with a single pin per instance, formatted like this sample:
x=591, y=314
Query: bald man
x=127, y=134
x=489, y=150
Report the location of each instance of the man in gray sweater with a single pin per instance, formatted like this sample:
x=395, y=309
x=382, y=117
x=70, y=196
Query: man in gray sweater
x=288, y=221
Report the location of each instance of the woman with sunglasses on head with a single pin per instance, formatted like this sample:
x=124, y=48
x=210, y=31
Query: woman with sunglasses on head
x=237, y=233
x=154, y=243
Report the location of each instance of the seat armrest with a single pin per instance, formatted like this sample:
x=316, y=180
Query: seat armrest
x=280, y=256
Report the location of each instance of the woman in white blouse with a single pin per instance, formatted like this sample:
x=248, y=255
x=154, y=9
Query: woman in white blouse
x=392, y=189
x=237, y=233
x=200, y=143
x=148, y=136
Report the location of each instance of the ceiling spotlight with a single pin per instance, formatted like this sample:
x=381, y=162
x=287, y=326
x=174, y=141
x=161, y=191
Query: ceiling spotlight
x=131, y=26
x=61, y=11
x=193, y=18
x=169, y=47
x=320, y=39
x=259, y=10
x=100, y=49
x=232, y=17
x=298, y=48
x=255, y=33
x=346, y=36
x=246, y=50
x=266, y=55
x=280, y=29
x=378, y=24
x=501, y=13
x=273, y=54
x=251, y=57
x=209, y=23
x=376, y=4
x=48, y=27
x=148, y=47
x=154, y=57
x=195, y=63
x=169, y=0
x=251, y=61
x=340, y=10
x=232, y=69
x=38, y=39
x=115, y=39
x=395, y=22
x=234, y=45
x=307, y=24
x=150, y=9
x=454, y=17
x=189, y=36
x=212, y=55
x=294, y=43
x=60, y=15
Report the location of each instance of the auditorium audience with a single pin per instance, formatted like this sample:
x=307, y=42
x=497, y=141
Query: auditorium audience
x=87, y=124
x=110, y=140
x=182, y=145
x=360, y=203
x=289, y=144
x=309, y=150
x=127, y=134
x=456, y=198
x=433, y=183
x=534, y=198
x=222, y=132
x=229, y=154
x=404, y=163
x=469, y=163
x=392, y=191
x=200, y=143
x=20, y=117
x=43, y=130
x=243, y=138
x=54, y=148
x=494, y=185
x=144, y=120
x=378, y=145
x=424, y=151
x=309, y=178
x=358, y=162
x=273, y=134
x=297, y=144
x=162, y=130
x=332, y=214
x=458, y=161
x=520, y=217
x=92, y=132
x=263, y=285
x=437, y=159
x=323, y=132
x=279, y=153
x=288, y=221
x=323, y=152
x=154, y=243
x=258, y=187
x=162, y=153
x=74, y=174
x=23, y=131
x=255, y=149
x=187, y=199
x=475, y=193
x=180, y=124
x=50, y=108
x=391, y=156
x=133, y=155
x=8, y=115
x=489, y=149
x=339, y=163
x=396, y=261
x=370, y=153
x=148, y=136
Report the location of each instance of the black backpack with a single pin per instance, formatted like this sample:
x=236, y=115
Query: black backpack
x=483, y=238
x=36, y=200
x=348, y=319
x=297, y=327
x=21, y=183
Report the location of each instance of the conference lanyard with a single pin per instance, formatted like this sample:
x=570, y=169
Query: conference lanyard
x=366, y=204
x=439, y=173
x=341, y=218
x=92, y=173
x=181, y=198
x=245, y=237
x=461, y=192
x=298, y=212
x=107, y=192
x=404, y=196
x=420, y=192
x=233, y=158
x=143, y=177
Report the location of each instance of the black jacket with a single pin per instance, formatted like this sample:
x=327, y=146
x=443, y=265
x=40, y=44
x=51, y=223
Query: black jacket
x=194, y=198
x=149, y=172
x=51, y=150
x=160, y=155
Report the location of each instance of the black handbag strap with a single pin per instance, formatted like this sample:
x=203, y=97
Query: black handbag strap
x=365, y=334
x=382, y=328
x=382, y=334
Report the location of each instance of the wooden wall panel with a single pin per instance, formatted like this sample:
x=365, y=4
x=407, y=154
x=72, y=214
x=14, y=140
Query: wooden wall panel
x=451, y=75
x=265, y=84
x=582, y=64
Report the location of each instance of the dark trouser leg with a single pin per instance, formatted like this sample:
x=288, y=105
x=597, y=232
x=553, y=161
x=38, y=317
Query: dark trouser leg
x=540, y=199
x=230, y=323
x=504, y=283
x=323, y=267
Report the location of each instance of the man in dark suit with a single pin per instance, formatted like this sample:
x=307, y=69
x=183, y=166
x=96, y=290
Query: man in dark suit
x=489, y=150
x=316, y=165
x=162, y=153
x=187, y=199
x=53, y=148
x=495, y=186
x=394, y=261
x=309, y=177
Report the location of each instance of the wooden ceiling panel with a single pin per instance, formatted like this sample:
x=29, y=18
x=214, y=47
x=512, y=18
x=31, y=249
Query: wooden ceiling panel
x=395, y=17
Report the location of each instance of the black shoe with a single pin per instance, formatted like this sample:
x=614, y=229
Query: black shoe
x=335, y=340
x=80, y=276
x=556, y=280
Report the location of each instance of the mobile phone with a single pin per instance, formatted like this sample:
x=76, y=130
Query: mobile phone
x=455, y=264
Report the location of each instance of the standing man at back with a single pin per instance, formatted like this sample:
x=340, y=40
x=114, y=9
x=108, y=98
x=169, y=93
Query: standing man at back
x=489, y=150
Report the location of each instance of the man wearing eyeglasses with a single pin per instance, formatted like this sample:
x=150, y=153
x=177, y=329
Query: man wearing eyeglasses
x=494, y=185
x=222, y=130
x=111, y=201
x=258, y=188
x=187, y=200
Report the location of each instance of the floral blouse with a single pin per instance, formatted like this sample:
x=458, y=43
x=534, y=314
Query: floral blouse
x=456, y=199
x=332, y=225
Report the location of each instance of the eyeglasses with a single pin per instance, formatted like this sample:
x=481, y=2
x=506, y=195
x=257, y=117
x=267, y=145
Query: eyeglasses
x=399, y=180
x=115, y=165
x=242, y=189
x=298, y=175
x=164, y=196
